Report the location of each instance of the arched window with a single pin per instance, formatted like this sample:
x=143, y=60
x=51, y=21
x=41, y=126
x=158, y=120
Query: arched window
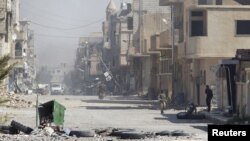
x=18, y=49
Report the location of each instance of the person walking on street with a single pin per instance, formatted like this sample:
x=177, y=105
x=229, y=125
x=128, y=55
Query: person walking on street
x=100, y=91
x=209, y=97
x=163, y=101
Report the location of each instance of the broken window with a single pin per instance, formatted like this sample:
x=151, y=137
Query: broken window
x=198, y=23
x=243, y=27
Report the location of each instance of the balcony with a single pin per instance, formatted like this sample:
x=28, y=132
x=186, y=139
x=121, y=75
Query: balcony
x=208, y=46
x=21, y=36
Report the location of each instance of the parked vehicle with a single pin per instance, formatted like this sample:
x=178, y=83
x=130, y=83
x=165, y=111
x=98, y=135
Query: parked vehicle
x=42, y=89
x=57, y=88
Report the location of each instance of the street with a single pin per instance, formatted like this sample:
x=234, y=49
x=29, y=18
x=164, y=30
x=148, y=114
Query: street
x=87, y=112
x=109, y=70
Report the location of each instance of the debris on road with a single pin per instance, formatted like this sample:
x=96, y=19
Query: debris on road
x=17, y=129
x=15, y=101
x=191, y=113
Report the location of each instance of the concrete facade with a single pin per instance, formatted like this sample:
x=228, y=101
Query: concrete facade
x=88, y=60
x=201, y=50
x=148, y=20
x=119, y=41
x=13, y=40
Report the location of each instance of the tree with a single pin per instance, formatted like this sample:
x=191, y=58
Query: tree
x=5, y=68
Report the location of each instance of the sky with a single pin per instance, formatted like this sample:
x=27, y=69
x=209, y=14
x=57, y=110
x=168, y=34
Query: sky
x=58, y=24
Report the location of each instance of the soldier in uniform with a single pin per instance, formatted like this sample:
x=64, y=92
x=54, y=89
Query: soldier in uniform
x=163, y=101
x=209, y=97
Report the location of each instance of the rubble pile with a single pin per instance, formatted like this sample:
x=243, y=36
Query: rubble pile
x=14, y=100
x=20, y=132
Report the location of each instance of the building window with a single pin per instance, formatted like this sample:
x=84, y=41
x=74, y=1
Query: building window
x=204, y=2
x=130, y=23
x=198, y=23
x=243, y=2
x=218, y=2
x=196, y=13
x=243, y=27
x=18, y=49
x=197, y=28
x=205, y=77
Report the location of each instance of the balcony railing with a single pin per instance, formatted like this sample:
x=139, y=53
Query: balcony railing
x=18, y=53
x=192, y=2
x=169, y=2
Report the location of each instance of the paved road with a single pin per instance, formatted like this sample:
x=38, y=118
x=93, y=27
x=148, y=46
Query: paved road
x=87, y=112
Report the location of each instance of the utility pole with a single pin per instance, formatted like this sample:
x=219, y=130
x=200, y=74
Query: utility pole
x=108, y=70
x=173, y=52
x=139, y=26
x=140, y=43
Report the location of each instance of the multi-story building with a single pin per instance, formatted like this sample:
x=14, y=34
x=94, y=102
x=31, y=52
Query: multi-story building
x=148, y=20
x=118, y=32
x=9, y=34
x=211, y=31
x=29, y=60
x=88, y=62
x=23, y=75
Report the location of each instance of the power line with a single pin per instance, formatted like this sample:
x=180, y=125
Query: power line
x=56, y=36
x=73, y=28
x=47, y=13
x=51, y=19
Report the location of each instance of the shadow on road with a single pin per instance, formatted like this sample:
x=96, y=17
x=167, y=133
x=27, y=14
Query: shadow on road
x=203, y=128
x=172, y=118
x=117, y=107
x=120, y=101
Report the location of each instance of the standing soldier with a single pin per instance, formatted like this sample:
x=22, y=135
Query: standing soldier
x=100, y=91
x=163, y=101
x=209, y=97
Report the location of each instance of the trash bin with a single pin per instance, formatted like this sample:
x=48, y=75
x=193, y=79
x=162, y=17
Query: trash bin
x=51, y=112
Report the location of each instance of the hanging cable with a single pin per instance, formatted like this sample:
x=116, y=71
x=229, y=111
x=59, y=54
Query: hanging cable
x=73, y=28
x=43, y=12
x=56, y=36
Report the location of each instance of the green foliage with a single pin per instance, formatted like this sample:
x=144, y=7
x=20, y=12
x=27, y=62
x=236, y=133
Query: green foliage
x=5, y=68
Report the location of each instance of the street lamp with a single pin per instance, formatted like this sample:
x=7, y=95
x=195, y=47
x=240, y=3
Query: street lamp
x=173, y=51
x=171, y=22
